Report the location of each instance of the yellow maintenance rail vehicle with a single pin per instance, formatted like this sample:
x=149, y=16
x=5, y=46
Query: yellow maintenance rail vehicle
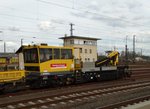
x=9, y=79
x=54, y=65
x=10, y=76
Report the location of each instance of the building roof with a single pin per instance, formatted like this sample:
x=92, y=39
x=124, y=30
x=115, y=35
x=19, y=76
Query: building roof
x=79, y=37
x=7, y=55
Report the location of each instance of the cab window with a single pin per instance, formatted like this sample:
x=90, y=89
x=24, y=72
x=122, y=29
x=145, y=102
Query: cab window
x=66, y=54
x=56, y=53
x=31, y=55
x=45, y=54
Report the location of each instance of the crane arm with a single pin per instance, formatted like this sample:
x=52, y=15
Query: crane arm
x=111, y=58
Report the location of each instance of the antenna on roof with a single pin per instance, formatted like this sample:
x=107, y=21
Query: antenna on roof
x=71, y=29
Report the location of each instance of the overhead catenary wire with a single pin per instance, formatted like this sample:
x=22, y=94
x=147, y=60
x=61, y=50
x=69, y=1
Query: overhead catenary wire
x=56, y=4
x=98, y=14
x=25, y=17
x=61, y=24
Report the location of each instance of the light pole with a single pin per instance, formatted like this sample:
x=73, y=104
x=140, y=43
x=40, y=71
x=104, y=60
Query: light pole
x=4, y=46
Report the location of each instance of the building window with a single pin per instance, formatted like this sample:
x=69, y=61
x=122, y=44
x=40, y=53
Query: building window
x=80, y=50
x=90, y=51
x=88, y=59
x=86, y=42
x=85, y=50
x=93, y=59
x=94, y=43
x=81, y=42
x=71, y=41
x=76, y=41
x=85, y=59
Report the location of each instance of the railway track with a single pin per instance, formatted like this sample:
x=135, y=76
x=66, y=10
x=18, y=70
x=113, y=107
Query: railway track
x=126, y=103
x=77, y=86
x=64, y=99
x=26, y=90
x=140, y=72
x=138, y=69
x=75, y=94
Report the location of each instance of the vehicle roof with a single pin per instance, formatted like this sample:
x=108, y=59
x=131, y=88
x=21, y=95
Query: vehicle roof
x=40, y=46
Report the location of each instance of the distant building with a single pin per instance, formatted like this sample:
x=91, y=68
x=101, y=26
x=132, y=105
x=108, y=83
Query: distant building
x=8, y=61
x=85, y=47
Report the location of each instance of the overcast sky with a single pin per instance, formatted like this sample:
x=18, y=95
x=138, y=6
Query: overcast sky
x=44, y=21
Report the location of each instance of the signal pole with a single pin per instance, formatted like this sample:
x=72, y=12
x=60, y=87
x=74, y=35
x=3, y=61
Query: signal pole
x=71, y=29
x=133, y=48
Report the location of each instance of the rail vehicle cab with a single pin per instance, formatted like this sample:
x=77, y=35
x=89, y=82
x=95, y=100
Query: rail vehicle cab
x=48, y=63
x=48, y=59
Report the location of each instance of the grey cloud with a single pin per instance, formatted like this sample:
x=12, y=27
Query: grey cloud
x=124, y=13
x=79, y=14
x=59, y=21
x=110, y=21
x=133, y=5
x=138, y=18
x=93, y=7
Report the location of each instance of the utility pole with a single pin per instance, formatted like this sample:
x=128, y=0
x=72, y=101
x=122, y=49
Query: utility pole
x=71, y=29
x=126, y=52
x=4, y=47
x=21, y=42
x=133, y=48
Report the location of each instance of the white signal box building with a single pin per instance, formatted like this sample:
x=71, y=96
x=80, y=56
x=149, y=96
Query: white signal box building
x=85, y=47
